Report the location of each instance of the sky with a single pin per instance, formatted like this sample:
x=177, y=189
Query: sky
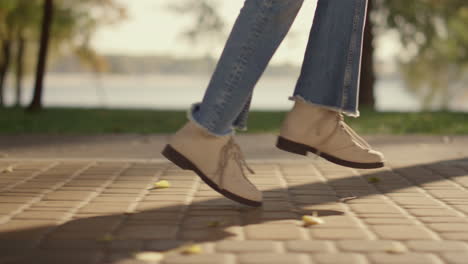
x=151, y=29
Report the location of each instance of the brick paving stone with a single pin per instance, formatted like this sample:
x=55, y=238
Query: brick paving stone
x=148, y=232
x=370, y=208
x=267, y=258
x=308, y=246
x=41, y=215
x=388, y=221
x=339, y=258
x=67, y=196
x=455, y=257
x=370, y=245
x=16, y=199
x=134, y=245
x=273, y=232
x=401, y=232
x=431, y=212
x=247, y=246
x=404, y=258
x=442, y=219
x=338, y=221
x=228, y=233
x=163, y=245
x=200, y=259
x=451, y=227
x=72, y=256
x=415, y=215
x=338, y=233
x=455, y=236
x=437, y=246
x=104, y=208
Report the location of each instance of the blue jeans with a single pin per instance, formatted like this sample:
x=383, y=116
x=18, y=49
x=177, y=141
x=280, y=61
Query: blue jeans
x=330, y=72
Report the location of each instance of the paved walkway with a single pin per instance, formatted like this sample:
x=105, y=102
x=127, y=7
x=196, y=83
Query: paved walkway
x=59, y=208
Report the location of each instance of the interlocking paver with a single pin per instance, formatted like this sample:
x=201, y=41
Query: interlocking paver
x=308, y=246
x=436, y=246
x=370, y=245
x=107, y=211
x=274, y=232
x=248, y=246
x=267, y=258
x=339, y=258
x=402, y=232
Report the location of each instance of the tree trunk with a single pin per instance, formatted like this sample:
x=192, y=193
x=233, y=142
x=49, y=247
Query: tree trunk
x=366, y=89
x=5, y=64
x=19, y=68
x=36, y=103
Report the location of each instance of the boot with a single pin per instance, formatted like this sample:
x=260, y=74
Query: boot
x=217, y=160
x=310, y=128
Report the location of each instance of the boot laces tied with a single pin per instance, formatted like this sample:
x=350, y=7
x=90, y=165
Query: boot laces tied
x=351, y=132
x=231, y=150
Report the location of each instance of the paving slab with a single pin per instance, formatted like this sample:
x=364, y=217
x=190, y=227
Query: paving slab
x=59, y=206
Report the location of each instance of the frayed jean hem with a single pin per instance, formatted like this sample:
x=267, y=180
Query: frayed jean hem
x=191, y=117
x=354, y=114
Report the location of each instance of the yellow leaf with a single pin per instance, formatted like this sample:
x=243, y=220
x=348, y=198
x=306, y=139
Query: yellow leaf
x=106, y=238
x=149, y=256
x=312, y=220
x=162, y=184
x=373, y=180
x=8, y=169
x=193, y=249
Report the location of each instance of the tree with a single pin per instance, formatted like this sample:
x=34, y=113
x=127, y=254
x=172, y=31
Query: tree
x=48, y=12
x=435, y=56
x=5, y=43
x=73, y=26
x=208, y=26
x=366, y=87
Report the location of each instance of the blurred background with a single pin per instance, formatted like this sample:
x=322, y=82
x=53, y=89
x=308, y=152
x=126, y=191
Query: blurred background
x=106, y=55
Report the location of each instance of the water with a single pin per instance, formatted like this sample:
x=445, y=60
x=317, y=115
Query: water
x=179, y=91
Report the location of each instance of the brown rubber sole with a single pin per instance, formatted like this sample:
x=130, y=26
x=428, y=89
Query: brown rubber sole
x=182, y=162
x=301, y=149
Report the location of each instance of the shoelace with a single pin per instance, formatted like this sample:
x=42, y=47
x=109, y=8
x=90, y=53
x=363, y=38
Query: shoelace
x=342, y=124
x=231, y=150
x=351, y=132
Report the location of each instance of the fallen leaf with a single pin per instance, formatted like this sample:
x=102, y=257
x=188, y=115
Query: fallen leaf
x=106, y=238
x=149, y=256
x=395, y=251
x=373, y=180
x=162, y=184
x=191, y=250
x=214, y=223
x=312, y=219
x=8, y=169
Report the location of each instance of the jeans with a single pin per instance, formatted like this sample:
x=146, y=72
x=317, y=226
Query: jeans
x=329, y=75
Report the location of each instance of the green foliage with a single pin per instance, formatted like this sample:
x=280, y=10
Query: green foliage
x=74, y=24
x=207, y=25
x=435, y=37
x=101, y=121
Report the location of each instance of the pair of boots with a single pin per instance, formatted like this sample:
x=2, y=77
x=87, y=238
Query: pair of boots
x=219, y=161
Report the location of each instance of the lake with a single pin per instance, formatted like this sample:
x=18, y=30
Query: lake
x=179, y=91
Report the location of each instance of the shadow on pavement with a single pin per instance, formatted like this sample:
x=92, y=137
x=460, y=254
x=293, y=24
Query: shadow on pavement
x=87, y=240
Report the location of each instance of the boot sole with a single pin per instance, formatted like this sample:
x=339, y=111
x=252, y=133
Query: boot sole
x=182, y=162
x=302, y=149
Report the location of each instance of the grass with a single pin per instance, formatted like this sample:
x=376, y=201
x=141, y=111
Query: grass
x=99, y=121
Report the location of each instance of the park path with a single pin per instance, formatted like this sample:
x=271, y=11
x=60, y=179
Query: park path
x=90, y=199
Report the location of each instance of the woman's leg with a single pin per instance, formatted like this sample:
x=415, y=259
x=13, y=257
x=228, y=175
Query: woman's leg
x=331, y=69
x=255, y=37
x=328, y=86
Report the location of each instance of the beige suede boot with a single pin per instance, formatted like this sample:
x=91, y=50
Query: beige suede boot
x=310, y=128
x=218, y=161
